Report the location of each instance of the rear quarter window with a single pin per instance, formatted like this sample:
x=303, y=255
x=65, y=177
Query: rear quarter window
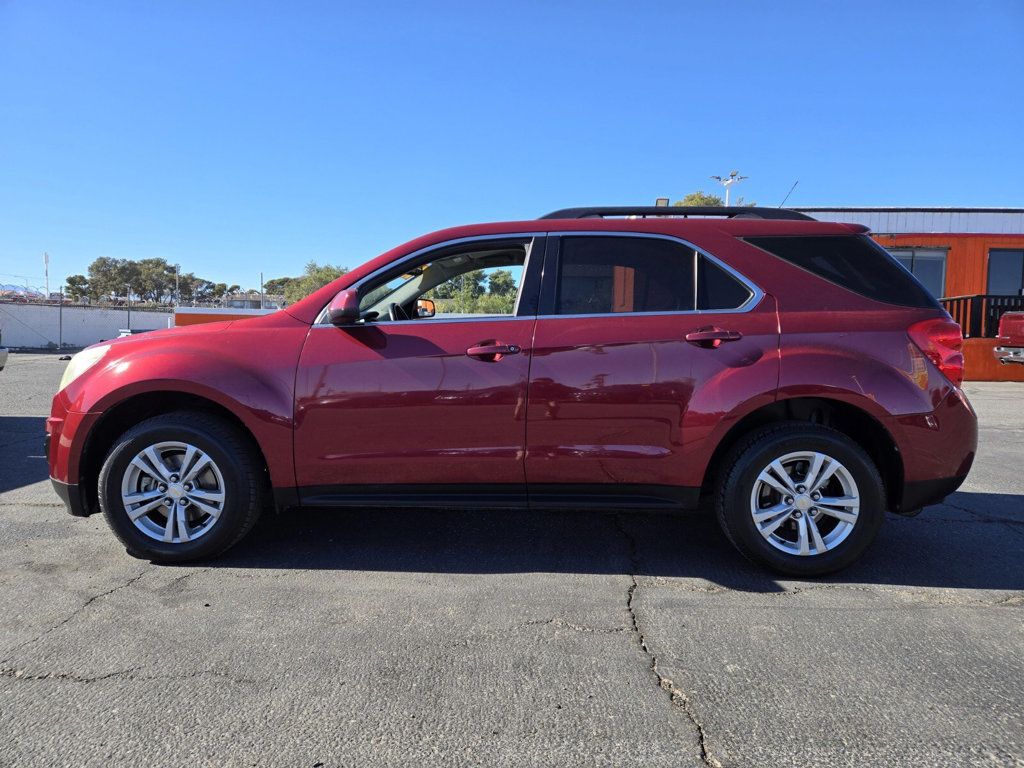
x=854, y=262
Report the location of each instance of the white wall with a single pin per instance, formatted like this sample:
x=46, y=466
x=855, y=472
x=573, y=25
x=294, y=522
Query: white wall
x=37, y=325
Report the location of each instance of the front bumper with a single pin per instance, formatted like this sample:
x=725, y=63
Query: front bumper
x=60, y=446
x=1009, y=354
x=70, y=494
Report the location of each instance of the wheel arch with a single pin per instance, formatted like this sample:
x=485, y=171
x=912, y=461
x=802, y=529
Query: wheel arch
x=856, y=423
x=118, y=418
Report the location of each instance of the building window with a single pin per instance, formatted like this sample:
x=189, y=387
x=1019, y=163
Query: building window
x=928, y=265
x=1005, y=272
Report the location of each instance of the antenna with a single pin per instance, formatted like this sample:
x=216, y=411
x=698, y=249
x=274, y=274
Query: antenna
x=789, y=193
x=733, y=178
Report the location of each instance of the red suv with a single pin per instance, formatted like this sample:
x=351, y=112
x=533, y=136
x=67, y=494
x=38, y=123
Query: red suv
x=788, y=371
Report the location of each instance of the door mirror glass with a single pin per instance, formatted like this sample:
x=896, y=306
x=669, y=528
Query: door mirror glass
x=425, y=308
x=344, y=308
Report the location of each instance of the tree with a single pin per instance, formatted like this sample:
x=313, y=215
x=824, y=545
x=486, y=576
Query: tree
x=315, y=277
x=277, y=286
x=77, y=287
x=108, y=277
x=154, y=281
x=702, y=198
x=501, y=283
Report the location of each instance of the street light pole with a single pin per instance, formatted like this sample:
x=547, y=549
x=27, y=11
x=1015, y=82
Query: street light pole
x=733, y=178
x=177, y=291
x=128, y=296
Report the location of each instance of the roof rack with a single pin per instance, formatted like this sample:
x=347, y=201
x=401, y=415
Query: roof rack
x=680, y=211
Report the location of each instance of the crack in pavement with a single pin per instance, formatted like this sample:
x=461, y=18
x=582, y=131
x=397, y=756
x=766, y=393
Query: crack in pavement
x=557, y=622
x=677, y=696
x=70, y=677
x=179, y=579
x=32, y=503
x=73, y=614
x=982, y=517
x=918, y=595
x=978, y=517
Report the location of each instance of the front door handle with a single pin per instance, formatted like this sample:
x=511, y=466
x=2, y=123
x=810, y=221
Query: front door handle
x=493, y=351
x=712, y=338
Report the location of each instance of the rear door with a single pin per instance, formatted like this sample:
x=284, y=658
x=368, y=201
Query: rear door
x=638, y=355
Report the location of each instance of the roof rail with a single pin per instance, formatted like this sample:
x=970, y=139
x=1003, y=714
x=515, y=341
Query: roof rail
x=681, y=211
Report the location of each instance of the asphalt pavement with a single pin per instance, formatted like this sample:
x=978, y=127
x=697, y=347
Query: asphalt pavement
x=487, y=638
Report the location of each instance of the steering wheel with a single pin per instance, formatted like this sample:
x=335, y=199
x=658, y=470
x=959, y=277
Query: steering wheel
x=395, y=312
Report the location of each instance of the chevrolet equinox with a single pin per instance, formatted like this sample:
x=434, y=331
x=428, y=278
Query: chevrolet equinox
x=786, y=372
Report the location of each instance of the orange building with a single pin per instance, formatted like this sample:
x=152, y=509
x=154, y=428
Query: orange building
x=972, y=259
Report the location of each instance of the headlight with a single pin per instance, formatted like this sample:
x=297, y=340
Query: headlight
x=82, y=362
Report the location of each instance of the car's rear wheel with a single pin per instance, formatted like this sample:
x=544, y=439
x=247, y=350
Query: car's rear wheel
x=181, y=486
x=800, y=498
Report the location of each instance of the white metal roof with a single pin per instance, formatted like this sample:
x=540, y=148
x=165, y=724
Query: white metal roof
x=891, y=221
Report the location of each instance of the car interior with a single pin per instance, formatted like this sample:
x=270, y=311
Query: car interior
x=445, y=287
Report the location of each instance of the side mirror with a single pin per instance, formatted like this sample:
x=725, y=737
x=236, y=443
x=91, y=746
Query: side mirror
x=344, y=308
x=425, y=308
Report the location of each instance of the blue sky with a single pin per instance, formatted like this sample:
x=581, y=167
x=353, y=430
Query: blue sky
x=243, y=137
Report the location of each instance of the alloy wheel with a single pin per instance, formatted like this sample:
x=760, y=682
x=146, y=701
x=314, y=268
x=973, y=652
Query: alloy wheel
x=805, y=503
x=173, y=492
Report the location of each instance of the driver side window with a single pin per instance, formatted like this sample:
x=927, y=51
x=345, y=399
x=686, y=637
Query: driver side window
x=478, y=279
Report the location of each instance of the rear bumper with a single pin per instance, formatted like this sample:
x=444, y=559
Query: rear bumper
x=1009, y=354
x=923, y=493
x=937, y=449
x=70, y=494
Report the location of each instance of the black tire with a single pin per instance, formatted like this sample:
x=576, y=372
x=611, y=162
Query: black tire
x=754, y=453
x=240, y=467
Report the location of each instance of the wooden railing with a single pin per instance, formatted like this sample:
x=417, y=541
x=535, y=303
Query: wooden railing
x=979, y=315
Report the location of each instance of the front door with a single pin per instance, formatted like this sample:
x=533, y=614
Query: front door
x=406, y=408
x=633, y=358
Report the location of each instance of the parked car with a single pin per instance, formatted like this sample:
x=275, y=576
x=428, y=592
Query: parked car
x=787, y=372
x=1010, y=341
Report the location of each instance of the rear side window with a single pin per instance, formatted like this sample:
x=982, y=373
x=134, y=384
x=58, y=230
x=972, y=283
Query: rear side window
x=854, y=262
x=601, y=275
x=606, y=275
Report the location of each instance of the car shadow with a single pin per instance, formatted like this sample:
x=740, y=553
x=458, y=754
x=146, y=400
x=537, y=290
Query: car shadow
x=946, y=546
x=21, y=451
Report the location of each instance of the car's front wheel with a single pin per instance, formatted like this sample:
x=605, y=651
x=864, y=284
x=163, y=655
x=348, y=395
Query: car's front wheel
x=180, y=486
x=800, y=498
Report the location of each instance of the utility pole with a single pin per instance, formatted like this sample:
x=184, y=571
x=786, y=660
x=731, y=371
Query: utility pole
x=60, y=320
x=46, y=271
x=261, y=290
x=128, y=296
x=177, y=291
x=733, y=178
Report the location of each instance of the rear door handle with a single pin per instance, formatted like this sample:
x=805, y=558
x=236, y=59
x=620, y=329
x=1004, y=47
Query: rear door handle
x=712, y=338
x=493, y=351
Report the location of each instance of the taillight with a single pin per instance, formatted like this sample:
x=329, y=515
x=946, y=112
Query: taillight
x=941, y=341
